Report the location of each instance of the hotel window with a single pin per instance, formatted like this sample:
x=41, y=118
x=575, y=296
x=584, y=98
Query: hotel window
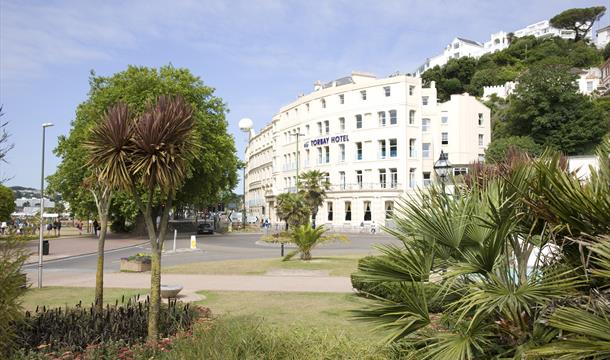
x=389, y=209
x=425, y=125
x=427, y=180
x=382, y=149
x=425, y=150
x=307, y=107
x=411, y=117
x=367, y=211
x=327, y=126
x=412, y=150
x=480, y=119
x=386, y=90
x=382, y=178
x=424, y=100
x=323, y=102
x=445, y=138
x=306, y=161
x=341, y=152
x=306, y=129
x=393, y=148
x=481, y=157
x=348, y=211
x=363, y=94
x=359, y=178
x=411, y=89
x=412, y=182
x=444, y=118
x=460, y=171
x=393, y=178
x=296, y=111
x=393, y=119
x=329, y=210
x=319, y=128
x=381, y=118
x=320, y=155
x=342, y=123
x=480, y=139
x=589, y=86
x=358, y=121
x=358, y=151
x=326, y=154
x=341, y=99
x=342, y=180
x=327, y=178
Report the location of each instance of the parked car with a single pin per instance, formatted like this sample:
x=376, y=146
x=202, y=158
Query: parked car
x=206, y=227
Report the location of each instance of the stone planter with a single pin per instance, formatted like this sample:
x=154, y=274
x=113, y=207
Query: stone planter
x=170, y=291
x=134, y=265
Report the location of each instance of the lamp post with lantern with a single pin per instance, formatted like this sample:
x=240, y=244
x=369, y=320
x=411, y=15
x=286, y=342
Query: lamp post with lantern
x=245, y=125
x=441, y=168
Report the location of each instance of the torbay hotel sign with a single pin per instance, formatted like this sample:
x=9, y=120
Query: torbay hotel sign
x=326, y=140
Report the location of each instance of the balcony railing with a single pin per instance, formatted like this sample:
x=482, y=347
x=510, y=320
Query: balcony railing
x=365, y=186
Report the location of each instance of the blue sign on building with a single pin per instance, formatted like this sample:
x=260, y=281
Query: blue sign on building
x=326, y=140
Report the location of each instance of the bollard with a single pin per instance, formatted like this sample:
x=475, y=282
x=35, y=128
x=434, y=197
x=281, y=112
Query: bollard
x=193, y=242
x=282, y=246
x=175, y=235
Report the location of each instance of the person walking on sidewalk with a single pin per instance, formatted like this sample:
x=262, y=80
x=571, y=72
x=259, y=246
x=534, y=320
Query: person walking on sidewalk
x=95, y=226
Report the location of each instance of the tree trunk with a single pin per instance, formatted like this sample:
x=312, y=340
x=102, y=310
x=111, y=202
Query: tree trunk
x=306, y=255
x=314, y=213
x=102, y=202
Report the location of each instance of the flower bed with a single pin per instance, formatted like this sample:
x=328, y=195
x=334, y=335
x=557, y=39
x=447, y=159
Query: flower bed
x=139, y=262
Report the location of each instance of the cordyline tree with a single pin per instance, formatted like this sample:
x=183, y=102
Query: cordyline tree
x=149, y=157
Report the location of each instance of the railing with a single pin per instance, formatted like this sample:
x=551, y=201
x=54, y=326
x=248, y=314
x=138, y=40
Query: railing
x=365, y=186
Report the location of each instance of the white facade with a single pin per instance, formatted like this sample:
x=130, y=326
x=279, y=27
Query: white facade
x=602, y=37
x=377, y=139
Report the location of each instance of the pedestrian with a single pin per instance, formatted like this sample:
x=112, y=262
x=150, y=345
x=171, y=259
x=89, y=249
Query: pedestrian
x=79, y=226
x=95, y=225
x=58, y=227
x=373, y=228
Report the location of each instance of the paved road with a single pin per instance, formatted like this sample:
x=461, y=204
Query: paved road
x=212, y=247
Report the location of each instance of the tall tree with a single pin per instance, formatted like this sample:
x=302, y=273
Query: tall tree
x=7, y=203
x=150, y=157
x=313, y=185
x=547, y=107
x=214, y=168
x=580, y=20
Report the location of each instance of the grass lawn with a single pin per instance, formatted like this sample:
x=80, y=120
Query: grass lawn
x=291, y=311
x=336, y=266
x=55, y=296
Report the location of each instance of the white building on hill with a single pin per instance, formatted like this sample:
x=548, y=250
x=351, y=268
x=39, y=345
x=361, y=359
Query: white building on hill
x=376, y=139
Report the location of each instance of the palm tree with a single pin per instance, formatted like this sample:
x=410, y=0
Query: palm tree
x=114, y=126
x=292, y=209
x=503, y=252
x=306, y=238
x=313, y=185
x=149, y=157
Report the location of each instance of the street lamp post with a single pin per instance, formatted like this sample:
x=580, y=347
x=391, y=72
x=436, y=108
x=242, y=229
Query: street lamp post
x=245, y=125
x=441, y=168
x=298, y=155
x=40, y=242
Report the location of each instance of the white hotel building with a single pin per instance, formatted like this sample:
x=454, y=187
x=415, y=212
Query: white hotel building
x=377, y=139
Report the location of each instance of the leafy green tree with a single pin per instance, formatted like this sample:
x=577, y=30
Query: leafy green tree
x=214, y=168
x=7, y=203
x=292, y=208
x=498, y=148
x=5, y=146
x=606, y=52
x=150, y=157
x=451, y=78
x=312, y=186
x=12, y=288
x=547, y=107
x=580, y=20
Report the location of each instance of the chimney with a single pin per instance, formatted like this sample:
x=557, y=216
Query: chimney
x=317, y=85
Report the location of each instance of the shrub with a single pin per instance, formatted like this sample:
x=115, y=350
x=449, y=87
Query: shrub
x=140, y=257
x=12, y=256
x=392, y=291
x=74, y=329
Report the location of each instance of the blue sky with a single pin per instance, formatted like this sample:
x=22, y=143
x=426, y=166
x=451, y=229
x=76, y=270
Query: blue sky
x=259, y=55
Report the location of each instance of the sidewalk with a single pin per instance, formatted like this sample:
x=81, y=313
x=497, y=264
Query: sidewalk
x=78, y=245
x=195, y=283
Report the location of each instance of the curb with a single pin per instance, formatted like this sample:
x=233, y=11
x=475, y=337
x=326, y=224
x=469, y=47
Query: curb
x=84, y=254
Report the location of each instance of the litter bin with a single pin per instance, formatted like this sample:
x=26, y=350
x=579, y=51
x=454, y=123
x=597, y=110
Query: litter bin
x=45, y=247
